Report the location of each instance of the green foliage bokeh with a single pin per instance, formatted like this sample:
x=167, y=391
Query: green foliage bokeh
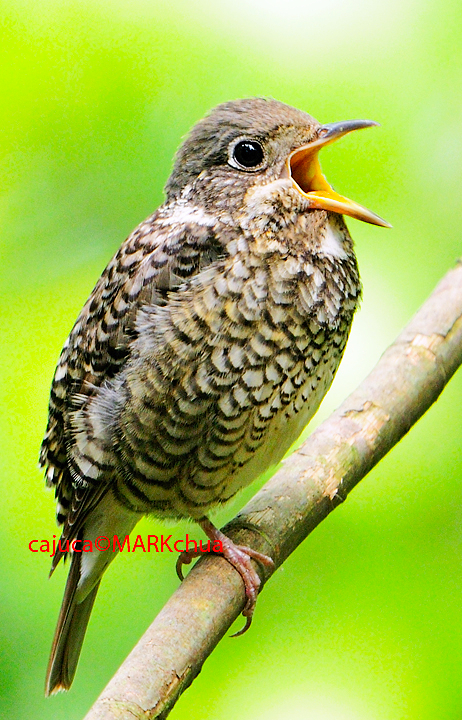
x=363, y=622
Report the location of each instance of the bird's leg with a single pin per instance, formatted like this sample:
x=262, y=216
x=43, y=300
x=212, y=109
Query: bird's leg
x=239, y=556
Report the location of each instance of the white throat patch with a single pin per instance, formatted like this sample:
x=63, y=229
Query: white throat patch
x=185, y=213
x=331, y=243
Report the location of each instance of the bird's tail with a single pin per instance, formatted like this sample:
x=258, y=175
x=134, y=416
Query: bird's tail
x=106, y=520
x=70, y=632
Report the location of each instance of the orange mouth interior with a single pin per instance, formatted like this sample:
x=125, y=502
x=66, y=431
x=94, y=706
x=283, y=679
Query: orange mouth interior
x=305, y=170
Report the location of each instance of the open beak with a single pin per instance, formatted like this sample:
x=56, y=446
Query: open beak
x=303, y=167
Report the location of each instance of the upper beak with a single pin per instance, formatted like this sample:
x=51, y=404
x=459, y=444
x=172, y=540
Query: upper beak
x=303, y=167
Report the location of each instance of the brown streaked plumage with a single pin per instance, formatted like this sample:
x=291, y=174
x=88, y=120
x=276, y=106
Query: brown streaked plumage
x=206, y=346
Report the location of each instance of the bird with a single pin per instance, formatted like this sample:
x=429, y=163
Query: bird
x=205, y=347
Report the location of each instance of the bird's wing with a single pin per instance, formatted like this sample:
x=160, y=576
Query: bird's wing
x=157, y=257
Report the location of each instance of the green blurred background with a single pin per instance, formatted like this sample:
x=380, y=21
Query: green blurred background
x=364, y=621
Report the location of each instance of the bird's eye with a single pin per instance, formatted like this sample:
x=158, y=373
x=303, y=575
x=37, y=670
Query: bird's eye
x=248, y=154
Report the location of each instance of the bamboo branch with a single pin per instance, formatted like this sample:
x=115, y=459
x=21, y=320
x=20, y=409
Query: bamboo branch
x=406, y=381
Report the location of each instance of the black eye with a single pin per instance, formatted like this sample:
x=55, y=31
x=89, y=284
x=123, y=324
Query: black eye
x=248, y=153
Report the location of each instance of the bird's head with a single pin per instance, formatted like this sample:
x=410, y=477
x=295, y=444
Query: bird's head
x=248, y=154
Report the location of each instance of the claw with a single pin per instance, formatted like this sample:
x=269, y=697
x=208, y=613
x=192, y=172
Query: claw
x=240, y=557
x=185, y=558
x=248, y=622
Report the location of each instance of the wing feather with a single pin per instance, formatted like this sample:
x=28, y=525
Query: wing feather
x=154, y=260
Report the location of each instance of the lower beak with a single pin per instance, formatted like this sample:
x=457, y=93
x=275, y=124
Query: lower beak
x=303, y=167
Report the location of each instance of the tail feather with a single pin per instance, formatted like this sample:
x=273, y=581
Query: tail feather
x=106, y=519
x=70, y=632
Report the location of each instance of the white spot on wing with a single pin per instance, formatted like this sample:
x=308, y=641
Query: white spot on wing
x=61, y=372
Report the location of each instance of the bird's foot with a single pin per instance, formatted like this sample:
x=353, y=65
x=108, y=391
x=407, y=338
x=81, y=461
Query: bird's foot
x=240, y=557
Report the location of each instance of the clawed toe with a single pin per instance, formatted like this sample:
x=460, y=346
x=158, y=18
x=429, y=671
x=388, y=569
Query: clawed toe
x=240, y=557
x=185, y=558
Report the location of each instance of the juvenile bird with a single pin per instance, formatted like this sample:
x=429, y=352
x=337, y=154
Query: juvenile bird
x=205, y=347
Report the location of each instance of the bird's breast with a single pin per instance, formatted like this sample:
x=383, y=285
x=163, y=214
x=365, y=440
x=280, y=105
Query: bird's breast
x=225, y=377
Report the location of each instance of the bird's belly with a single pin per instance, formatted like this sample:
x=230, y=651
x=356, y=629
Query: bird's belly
x=284, y=429
x=217, y=470
x=220, y=387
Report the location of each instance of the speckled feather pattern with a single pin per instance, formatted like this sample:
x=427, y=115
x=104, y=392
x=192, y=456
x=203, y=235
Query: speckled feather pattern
x=168, y=387
x=211, y=328
x=204, y=349
x=213, y=377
